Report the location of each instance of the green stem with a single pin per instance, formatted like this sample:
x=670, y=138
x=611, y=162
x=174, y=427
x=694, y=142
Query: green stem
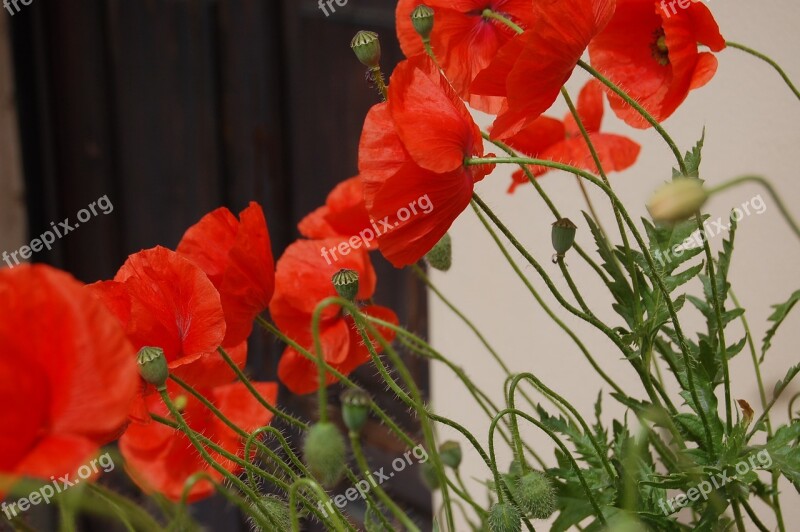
x=320, y=493
x=769, y=61
x=641, y=110
x=544, y=305
x=358, y=453
x=488, y=13
x=772, y=192
x=573, y=288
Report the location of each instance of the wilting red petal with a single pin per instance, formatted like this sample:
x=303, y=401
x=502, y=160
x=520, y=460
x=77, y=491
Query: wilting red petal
x=174, y=306
x=161, y=459
x=464, y=41
x=343, y=215
x=67, y=373
x=430, y=118
x=550, y=50
x=657, y=74
x=236, y=256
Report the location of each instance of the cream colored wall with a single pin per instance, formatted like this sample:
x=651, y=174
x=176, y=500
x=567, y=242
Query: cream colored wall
x=751, y=127
x=12, y=215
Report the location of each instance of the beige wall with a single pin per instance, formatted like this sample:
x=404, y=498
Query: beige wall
x=751, y=122
x=12, y=215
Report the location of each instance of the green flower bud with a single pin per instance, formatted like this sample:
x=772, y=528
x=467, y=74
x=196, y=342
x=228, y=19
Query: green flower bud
x=677, y=200
x=440, y=257
x=355, y=408
x=503, y=517
x=273, y=510
x=346, y=284
x=535, y=495
x=324, y=453
x=367, y=47
x=429, y=476
x=563, y=236
x=153, y=366
x=450, y=452
x=422, y=20
x=180, y=402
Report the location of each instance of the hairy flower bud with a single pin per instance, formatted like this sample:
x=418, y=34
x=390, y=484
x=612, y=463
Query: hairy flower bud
x=367, y=47
x=153, y=366
x=677, y=200
x=346, y=284
x=440, y=257
x=429, y=476
x=422, y=20
x=535, y=495
x=324, y=453
x=273, y=510
x=563, y=236
x=450, y=452
x=355, y=409
x=503, y=517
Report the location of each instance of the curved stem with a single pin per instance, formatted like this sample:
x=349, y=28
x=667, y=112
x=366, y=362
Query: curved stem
x=564, y=449
x=355, y=444
x=772, y=192
x=767, y=60
x=319, y=492
x=544, y=305
x=641, y=110
x=573, y=287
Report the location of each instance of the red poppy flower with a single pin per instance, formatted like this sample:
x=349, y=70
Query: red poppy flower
x=67, y=374
x=161, y=459
x=549, y=139
x=464, y=41
x=303, y=279
x=164, y=300
x=343, y=215
x=237, y=257
x=532, y=67
x=412, y=150
x=650, y=50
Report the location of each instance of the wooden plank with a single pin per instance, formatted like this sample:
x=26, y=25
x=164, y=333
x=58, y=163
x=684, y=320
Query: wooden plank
x=13, y=225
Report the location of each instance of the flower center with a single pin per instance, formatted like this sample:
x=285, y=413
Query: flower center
x=659, y=47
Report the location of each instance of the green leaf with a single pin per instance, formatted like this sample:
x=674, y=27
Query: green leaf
x=781, y=311
x=785, y=453
x=692, y=159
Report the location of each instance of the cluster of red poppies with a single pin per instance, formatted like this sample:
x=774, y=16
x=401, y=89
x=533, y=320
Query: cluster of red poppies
x=68, y=380
x=68, y=375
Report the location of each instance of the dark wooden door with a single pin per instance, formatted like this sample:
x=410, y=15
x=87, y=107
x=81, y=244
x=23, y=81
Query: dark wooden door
x=172, y=108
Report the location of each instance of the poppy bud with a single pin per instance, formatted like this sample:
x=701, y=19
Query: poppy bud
x=422, y=20
x=563, y=236
x=153, y=366
x=535, y=495
x=440, y=257
x=324, y=453
x=355, y=409
x=503, y=517
x=450, y=452
x=677, y=200
x=180, y=402
x=273, y=510
x=429, y=476
x=367, y=47
x=346, y=284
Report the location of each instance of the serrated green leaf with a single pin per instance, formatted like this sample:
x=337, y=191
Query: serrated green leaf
x=777, y=317
x=692, y=159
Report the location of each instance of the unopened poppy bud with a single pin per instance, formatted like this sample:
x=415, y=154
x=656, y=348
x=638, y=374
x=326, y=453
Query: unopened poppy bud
x=677, y=200
x=440, y=257
x=535, y=495
x=450, y=452
x=563, y=236
x=503, y=517
x=367, y=47
x=429, y=476
x=324, y=453
x=422, y=20
x=346, y=284
x=153, y=366
x=355, y=409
